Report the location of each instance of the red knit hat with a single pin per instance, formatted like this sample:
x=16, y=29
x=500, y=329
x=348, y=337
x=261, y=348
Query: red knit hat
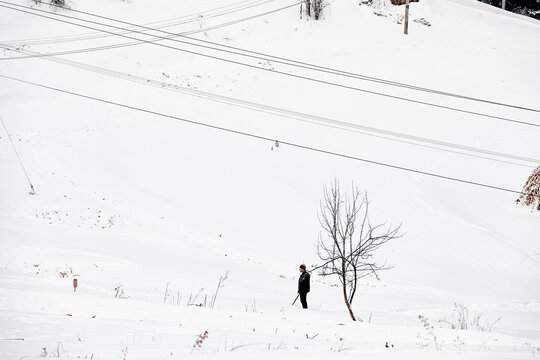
x=303, y=266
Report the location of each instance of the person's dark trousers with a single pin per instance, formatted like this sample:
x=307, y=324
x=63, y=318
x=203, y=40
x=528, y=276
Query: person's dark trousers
x=303, y=299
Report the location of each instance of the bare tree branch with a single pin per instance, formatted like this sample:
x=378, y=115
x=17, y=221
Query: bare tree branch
x=348, y=239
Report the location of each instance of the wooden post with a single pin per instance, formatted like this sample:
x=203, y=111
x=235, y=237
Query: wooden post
x=406, y=31
x=75, y=283
x=503, y=6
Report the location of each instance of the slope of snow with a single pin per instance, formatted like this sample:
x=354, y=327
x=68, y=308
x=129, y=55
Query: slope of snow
x=162, y=209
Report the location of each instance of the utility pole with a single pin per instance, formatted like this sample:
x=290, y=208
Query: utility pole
x=407, y=17
x=503, y=6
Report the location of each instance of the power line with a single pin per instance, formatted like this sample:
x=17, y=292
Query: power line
x=32, y=191
x=279, y=72
x=120, y=45
x=165, y=23
x=99, y=48
x=260, y=137
x=270, y=70
x=234, y=22
x=318, y=120
x=126, y=31
x=322, y=68
x=295, y=63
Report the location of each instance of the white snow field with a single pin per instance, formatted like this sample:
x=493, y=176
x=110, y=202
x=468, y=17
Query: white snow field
x=148, y=212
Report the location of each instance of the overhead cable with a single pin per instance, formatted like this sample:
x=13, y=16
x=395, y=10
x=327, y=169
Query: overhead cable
x=273, y=70
x=292, y=62
x=236, y=7
x=261, y=137
x=299, y=116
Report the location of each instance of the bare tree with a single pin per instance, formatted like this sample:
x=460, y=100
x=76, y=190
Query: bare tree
x=318, y=6
x=530, y=195
x=308, y=7
x=348, y=239
x=314, y=8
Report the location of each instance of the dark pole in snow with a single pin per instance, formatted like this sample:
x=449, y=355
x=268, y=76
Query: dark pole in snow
x=407, y=17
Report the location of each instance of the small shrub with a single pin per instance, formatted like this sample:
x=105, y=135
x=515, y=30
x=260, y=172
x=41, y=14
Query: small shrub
x=530, y=195
x=199, y=341
x=253, y=307
x=533, y=349
x=221, y=284
x=429, y=335
x=119, y=292
x=192, y=300
x=124, y=353
x=461, y=320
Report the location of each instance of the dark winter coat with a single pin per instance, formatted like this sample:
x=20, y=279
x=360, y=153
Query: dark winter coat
x=303, y=283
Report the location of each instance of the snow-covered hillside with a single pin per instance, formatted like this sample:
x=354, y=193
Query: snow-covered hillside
x=148, y=212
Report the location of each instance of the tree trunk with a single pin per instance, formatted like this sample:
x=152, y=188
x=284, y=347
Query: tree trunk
x=348, y=305
x=346, y=300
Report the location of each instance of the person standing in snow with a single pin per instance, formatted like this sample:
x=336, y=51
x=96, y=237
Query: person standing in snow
x=303, y=285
